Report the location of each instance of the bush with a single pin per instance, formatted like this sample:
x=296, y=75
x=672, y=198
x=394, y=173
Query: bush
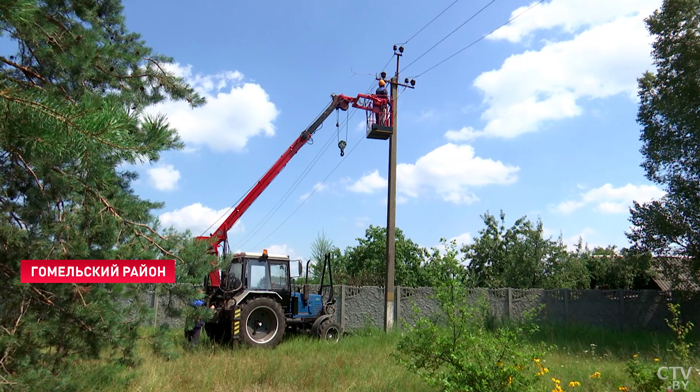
x=463, y=349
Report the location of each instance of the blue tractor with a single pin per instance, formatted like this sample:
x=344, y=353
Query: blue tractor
x=255, y=304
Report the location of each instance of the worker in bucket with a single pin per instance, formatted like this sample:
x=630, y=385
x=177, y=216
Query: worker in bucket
x=381, y=93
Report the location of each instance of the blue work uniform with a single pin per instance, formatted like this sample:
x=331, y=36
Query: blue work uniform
x=192, y=335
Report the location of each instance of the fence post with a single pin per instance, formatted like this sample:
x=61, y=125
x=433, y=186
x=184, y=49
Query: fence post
x=621, y=293
x=154, y=303
x=566, y=306
x=397, y=306
x=342, y=306
x=509, y=308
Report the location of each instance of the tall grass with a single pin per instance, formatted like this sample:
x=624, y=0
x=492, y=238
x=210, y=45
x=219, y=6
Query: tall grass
x=363, y=362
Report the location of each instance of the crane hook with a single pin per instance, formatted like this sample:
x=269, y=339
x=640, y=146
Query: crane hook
x=342, y=144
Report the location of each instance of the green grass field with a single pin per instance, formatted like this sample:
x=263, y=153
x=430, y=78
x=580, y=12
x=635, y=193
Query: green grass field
x=363, y=362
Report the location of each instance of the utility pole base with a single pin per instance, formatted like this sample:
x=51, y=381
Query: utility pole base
x=389, y=316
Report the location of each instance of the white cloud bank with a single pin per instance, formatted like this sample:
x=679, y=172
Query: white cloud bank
x=236, y=111
x=449, y=171
x=610, y=200
x=543, y=85
x=163, y=178
x=197, y=218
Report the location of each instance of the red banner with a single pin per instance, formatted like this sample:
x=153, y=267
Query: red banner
x=98, y=271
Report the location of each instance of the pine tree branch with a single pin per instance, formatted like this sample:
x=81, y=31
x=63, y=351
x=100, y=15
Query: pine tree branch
x=28, y=72
x=113, y=212
x=36, y=179
x=60, y=117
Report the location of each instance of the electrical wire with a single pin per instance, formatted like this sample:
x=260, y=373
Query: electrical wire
x=369, y=88
x=312, y=192
x=230, y=208
x=428, y=24
x=246, y=192
x=286, y=196
x=452, y=32
x=482, y=37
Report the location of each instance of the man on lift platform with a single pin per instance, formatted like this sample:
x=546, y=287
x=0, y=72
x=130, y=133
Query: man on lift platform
x=381, y=93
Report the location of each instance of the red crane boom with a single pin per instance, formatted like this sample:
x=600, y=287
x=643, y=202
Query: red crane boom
x=373, y=104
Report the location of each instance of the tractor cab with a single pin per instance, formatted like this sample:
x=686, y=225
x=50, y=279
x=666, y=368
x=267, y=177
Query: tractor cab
x=257, y=273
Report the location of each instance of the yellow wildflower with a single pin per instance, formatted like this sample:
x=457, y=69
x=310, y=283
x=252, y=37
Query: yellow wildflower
x=499, y=363
x=574, y=384
x=656, y=359
x=595, y=375
x=635, y=356
x=510, y=380
x=539, y=374
x=555, y=380
x=623, y=389
x=537, y=360
x=545, y=370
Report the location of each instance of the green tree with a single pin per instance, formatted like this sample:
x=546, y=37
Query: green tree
x=365, y=263
x=72, y=98
x=611, y=269
x=669, y=102
x=521, y=257
x=460, y=347
x=319, y=248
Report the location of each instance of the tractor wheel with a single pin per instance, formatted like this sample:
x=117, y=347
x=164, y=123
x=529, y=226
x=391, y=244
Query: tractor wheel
x=330, y=330
x=264, y=322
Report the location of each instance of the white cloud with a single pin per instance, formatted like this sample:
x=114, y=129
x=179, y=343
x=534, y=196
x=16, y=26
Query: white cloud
x=319, y=187
x=569, y=15
x=462, y=239
x=450, y=171
x=284, y=250
x=369, y=183
x=235, y=111
x=197, y=218
x=543, y=85
x=610, y=200
x=362, y=222
x=464, y=134
x=163, y=178
x=572, y=241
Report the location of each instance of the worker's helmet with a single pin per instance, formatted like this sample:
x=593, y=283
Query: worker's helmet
x=382, y=83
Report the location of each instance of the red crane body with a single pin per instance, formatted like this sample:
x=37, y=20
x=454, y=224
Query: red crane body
x=373, y=104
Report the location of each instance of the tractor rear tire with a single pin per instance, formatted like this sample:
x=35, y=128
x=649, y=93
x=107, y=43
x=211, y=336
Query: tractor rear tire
x=263, y=322
x=330, y=330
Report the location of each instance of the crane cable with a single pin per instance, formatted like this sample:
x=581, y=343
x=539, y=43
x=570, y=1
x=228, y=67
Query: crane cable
x=303, y=175
x=227, y=212
x=287, y=194
x=479, y=39
x=452, y=32
x=324, y=180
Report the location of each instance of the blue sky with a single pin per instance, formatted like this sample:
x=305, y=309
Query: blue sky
x=537, y=120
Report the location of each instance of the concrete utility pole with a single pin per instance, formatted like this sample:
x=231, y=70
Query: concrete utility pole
x=391, y=197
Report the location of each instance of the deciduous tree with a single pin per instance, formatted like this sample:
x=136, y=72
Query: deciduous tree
x=668, y=113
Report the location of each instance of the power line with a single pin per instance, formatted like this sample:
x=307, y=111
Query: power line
x=287, y=194
x=428, y=24
x=244, y=194
x=230, y=208
x=452, y=32
x=312, y=192
x=369, y=88
x=482, y=37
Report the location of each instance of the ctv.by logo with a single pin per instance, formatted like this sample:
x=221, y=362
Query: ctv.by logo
x=675, y=384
